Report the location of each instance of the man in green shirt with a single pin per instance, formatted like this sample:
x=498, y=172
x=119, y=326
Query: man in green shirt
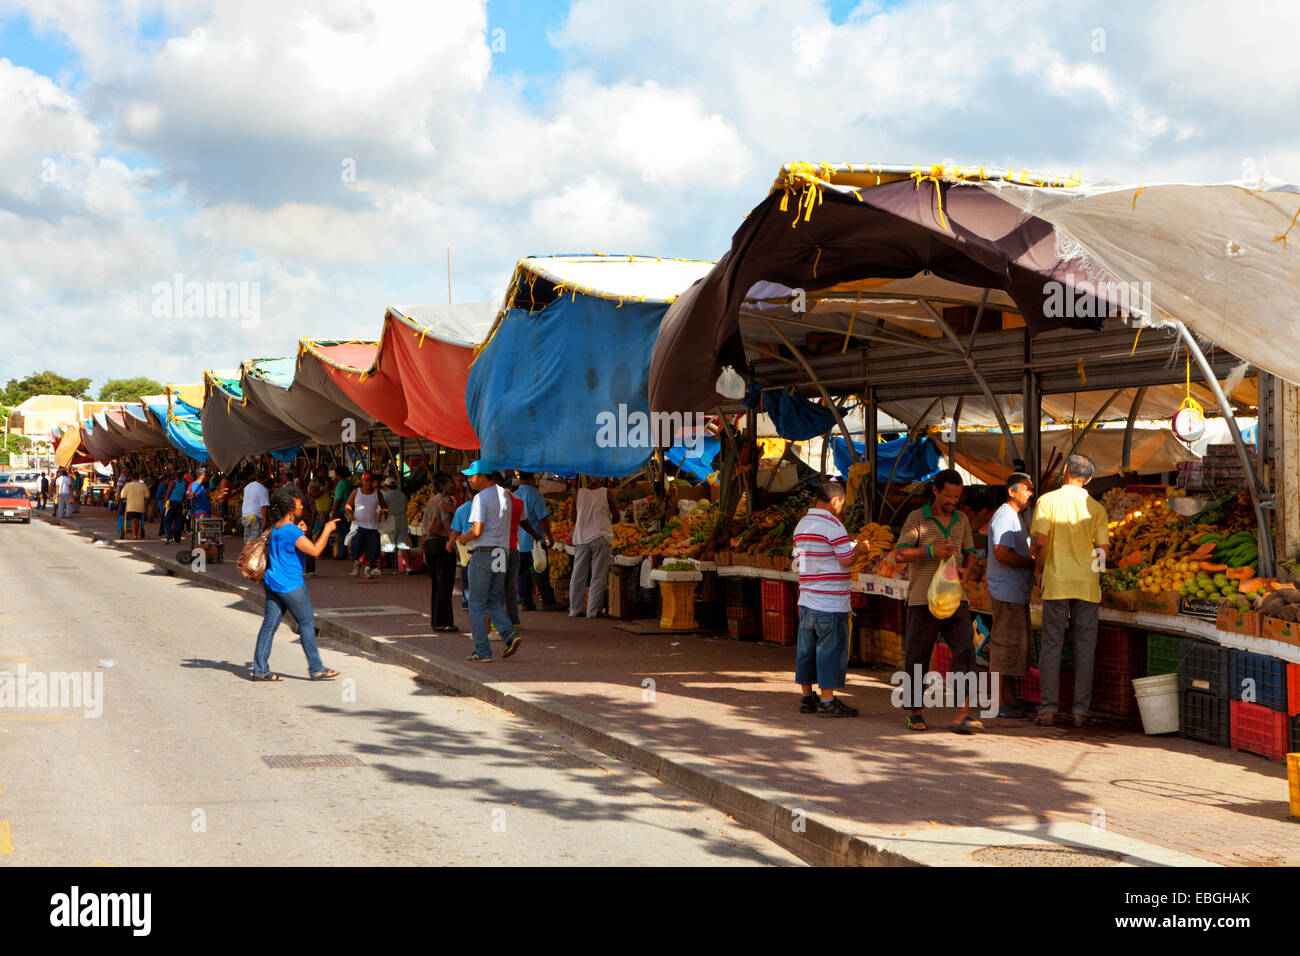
x=342, y=491
x=1068, y=541
x=930, y=534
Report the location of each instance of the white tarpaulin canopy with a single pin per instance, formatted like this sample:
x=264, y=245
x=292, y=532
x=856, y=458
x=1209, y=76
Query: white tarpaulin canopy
x=1217, y=257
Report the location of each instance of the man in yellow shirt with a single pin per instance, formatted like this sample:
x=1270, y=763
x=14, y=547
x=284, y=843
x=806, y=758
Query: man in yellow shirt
x=1069, y=540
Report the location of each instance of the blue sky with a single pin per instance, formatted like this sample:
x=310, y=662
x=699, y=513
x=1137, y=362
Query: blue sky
x=215, y=141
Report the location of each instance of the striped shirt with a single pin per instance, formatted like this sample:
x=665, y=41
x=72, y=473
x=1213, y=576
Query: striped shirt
x=923, y=529
x=819, y=542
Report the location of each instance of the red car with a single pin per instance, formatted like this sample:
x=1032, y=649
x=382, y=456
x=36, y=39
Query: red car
x=14, y=504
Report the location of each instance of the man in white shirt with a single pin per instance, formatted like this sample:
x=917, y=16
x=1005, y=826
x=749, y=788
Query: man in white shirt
x=823, y=553
x=63, y=488
x=256, y=502
x=488, y=538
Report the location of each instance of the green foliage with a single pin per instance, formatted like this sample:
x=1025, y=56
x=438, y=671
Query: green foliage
x=15, y=444
x=128, y=389
x=43, y=383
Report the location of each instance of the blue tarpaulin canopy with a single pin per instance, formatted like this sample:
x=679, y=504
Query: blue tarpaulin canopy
x=920, y=460
x=793, y=416
x=562, y=383
x=698, y=465
x=183, y=427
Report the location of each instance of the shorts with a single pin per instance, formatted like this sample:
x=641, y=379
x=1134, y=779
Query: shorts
x=1009, y=639
x=135, y=516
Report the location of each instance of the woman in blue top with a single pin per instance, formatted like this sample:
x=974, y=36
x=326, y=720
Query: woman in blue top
x=284, y=586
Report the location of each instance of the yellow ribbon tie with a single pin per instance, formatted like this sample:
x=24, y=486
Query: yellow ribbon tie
x=1082, y=378
x=1282, y=238
x=1135, y=197
x=1133, y=351
x=816, y=260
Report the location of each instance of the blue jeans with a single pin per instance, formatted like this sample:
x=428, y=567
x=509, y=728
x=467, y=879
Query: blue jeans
x=365, y=547
x=487, y=590
x=822, y=656
x=297, y=603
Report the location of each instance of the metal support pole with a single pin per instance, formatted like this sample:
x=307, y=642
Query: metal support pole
x=1101, y=411
x=1125, y=462
x=1031, y=415
x=844, y=430
x=911, y=437
x=870, y=437
x=1257, y=494
x=751, y=480
x=956, y=423
x=978, y=375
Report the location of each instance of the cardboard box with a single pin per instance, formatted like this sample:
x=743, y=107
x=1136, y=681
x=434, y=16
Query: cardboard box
x=1276, y=629
x=1120, y=600
x=1205, y=610
x=1248, y=623
x=1162, y=602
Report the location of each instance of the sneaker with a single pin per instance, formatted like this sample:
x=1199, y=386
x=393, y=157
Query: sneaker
x=835, y=708
x=513, y=645
x=375, y=572
x=475, y=659
x=808, y=704
x=1011, y=712
x=356, y=568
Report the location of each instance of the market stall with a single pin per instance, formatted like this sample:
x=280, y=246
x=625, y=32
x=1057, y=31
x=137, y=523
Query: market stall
x=935, y=294
x=560, y=383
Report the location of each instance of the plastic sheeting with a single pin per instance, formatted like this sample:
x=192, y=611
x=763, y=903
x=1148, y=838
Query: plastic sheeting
x=183, y=427
x=920, y=459
x=792, y=415
x=234, y=428
x=698, y=465
x=561, y=385
x=271, y=384
x=1154, y=451
x=414, y=380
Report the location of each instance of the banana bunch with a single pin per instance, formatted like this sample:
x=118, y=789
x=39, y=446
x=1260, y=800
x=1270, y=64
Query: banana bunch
x=879, y=539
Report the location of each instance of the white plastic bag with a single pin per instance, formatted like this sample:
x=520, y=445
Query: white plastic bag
x=730, y=384
x=539, y=557
x=352, y=531
x=945, y=594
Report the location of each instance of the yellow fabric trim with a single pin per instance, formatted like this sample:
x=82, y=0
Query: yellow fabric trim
x=1082, y=377
x=1133, y=351
x=1282, y=238
x=1135, y=197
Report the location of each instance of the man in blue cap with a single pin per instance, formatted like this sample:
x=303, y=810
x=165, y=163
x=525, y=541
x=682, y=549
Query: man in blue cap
x=488, y=539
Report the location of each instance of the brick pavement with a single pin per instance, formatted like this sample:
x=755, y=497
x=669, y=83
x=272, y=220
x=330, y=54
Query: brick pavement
x=734, y=705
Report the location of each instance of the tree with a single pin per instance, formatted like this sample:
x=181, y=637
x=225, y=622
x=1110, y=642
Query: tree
x=16, y=444
x=128, y=389
x=44, y=383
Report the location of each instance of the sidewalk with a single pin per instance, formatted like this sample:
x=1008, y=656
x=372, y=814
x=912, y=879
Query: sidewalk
x=723, y=723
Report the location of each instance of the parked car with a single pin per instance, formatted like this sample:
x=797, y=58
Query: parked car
x=15, y=505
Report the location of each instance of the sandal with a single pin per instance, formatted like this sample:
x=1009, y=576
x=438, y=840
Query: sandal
x=267, y=676
x=325, y=675
x=967, y=725
x=916, y=722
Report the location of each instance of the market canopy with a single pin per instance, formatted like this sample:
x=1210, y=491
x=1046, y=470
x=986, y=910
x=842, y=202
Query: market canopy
x=181, y=423
x=1153, y=451
x=235, y=426
x=272, y=385
x=561, y=385
x=412, y=380
x=896, y=278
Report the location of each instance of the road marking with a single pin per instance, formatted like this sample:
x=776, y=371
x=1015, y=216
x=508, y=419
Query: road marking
x=6, y=837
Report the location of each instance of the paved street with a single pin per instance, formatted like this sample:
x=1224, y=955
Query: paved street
x=173, y=771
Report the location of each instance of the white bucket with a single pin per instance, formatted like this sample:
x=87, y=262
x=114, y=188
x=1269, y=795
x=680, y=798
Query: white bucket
x=1157, y=699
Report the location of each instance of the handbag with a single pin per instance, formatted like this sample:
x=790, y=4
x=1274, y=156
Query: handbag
x=255, y=557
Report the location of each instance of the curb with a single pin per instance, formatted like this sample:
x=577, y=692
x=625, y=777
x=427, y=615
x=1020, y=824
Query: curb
x=809, y=831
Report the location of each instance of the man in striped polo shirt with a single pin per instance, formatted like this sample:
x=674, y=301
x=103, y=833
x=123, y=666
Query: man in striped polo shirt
x=930, y=534
x=823, y=552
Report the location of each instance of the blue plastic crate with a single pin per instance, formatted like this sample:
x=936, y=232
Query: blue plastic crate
x=1268, y=673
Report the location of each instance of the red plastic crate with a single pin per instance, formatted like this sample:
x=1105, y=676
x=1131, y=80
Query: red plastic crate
x=1031, y=689
x=780, y=628
x=886, y=613
x=1112, y=693
x=1259, y=730
x=941, y=658
x=1293, y=692
x=1121, y=650
x=779, y=596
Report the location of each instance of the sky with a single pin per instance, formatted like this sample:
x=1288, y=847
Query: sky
x=324, y=156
